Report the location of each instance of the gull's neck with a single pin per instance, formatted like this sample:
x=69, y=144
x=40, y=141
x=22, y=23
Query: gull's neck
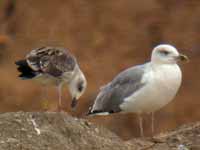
x=76, y=72
x=156, y=65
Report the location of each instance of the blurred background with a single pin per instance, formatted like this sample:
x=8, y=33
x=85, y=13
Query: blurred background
x=106, y=36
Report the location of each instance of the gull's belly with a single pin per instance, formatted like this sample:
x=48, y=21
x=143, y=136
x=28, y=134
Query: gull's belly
x=47, y=79
x=161, y=88
x=51, y=80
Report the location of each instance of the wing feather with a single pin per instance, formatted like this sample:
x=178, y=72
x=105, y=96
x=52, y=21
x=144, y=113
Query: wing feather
x=122, y=86
x=53, y=61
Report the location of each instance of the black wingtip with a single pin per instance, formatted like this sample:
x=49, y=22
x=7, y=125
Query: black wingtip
x=94, y=112
x=20, y=62
x=89, y=112
x=23, y=77
x=25, y=71
x=16, y=63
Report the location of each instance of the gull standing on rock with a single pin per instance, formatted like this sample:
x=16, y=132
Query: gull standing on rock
x=144, y=88
x=56, y=66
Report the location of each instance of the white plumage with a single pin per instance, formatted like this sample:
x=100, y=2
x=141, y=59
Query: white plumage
x=162, y=84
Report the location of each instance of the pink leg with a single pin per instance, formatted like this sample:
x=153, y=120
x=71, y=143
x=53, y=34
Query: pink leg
x=141, y=125
x=44, y=98
x=59, y=107
x=152, y=123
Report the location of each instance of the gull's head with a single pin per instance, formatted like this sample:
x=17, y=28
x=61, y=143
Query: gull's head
x=77, y=87
x=166, y=54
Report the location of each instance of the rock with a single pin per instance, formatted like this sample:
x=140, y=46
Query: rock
x=51, y=131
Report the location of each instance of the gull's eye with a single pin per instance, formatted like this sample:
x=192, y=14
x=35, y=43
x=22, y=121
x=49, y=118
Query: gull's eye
x=164, y=52
x=80, y=87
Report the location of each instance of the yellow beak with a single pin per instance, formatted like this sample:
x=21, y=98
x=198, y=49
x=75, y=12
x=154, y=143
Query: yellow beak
x=183, y=58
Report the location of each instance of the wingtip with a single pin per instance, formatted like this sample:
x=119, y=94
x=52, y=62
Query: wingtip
x=19, y=62
x=89, y=112
x=97, y=112
x=22, y=77
x=16, y=62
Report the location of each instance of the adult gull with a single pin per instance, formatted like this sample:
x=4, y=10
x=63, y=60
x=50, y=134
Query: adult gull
x=56, y=66
x=144, y=88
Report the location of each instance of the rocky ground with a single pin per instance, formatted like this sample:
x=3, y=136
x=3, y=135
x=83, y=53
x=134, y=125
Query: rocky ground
x=50, y=131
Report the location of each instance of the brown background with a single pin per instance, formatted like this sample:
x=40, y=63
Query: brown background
x=106, y=36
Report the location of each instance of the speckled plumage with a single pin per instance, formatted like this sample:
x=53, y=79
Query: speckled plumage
x=50, y=60
x=55, y=66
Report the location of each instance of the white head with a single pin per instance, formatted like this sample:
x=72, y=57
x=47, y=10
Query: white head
x=166, y=54
x=77, y=86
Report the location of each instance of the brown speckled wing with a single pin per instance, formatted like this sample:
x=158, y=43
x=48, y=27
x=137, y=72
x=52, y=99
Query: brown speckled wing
x=53, y=61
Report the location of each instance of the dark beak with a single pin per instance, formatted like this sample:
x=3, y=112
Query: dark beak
x=183, y=58
x=74, y=103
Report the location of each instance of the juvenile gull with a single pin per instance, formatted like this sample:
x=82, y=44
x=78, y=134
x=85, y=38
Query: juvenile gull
x=144, y=88
x=55, y=66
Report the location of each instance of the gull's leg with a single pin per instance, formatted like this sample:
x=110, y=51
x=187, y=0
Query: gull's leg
x=59, y=106
x=152, y=123
x=44, y=92
x=44, y=97
x=141, y=125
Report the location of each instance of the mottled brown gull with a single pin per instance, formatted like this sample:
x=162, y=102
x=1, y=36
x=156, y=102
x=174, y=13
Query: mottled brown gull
x=56, y=66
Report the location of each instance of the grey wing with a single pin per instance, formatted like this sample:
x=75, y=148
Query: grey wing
x=113, y=94
x=53, y=61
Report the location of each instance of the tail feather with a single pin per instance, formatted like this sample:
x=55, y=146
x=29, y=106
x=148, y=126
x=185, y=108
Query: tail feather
x=25, y=71
x=97, y=112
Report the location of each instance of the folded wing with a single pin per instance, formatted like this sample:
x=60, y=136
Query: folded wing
x=53, y=61
x=114, y=93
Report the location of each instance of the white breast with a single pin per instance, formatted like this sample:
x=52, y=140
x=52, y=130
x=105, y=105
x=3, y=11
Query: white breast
x=162, y=84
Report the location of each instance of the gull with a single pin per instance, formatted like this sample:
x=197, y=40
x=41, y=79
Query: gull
x=142, y=89
x=54, y=66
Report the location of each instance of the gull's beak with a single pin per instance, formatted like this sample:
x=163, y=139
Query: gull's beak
x=182, y=58
x=74, y=103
